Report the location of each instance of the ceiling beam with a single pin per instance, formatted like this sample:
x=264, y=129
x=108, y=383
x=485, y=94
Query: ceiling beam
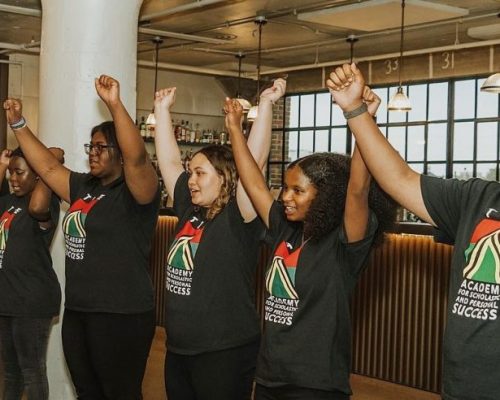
x=178, y=9
x=20, y=10
x=182, y=36
x=186, y=68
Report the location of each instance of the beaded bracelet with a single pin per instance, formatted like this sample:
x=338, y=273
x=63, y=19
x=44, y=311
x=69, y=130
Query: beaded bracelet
x=20, y=124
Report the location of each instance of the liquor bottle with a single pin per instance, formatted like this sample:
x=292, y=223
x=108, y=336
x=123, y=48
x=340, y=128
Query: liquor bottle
x=142, y=127
x=192, y=134
x=186, y=160
x=184, y=131
x=222, y=137
x=197, y=134
x=177, y=129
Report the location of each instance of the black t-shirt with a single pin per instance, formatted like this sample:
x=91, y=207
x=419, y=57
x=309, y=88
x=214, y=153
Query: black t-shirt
x=28, y=284
x=469, y=213
x=210, y=278
x=108, y=239
x=307, y=336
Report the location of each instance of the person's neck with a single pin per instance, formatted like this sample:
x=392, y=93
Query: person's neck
x=106, y=180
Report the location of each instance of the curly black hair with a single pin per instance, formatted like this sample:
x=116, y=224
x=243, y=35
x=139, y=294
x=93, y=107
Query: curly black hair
x=329, y=173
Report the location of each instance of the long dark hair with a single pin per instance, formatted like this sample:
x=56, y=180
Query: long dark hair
x=329, y=173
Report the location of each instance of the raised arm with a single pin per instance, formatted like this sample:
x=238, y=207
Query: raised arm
x=250, y=174
x=356, y=211
x=140, y=175
x=4, y=164
x=45, y=164
x=167, y=150
x=259, y=141
x=39, y=207
x=395, y=177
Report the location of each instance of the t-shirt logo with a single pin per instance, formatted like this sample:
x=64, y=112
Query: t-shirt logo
x=180, y=258
x=5, y=223
x=479, y=294
x=280, y=283
x=280, y=278
x=73, y=226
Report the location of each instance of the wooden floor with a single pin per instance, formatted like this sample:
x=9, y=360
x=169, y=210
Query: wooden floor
x=364, y=388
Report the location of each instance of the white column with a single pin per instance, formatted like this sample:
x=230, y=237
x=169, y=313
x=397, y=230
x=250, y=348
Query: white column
x=81, y=39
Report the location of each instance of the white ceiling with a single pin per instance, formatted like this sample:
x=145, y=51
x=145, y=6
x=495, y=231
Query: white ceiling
x=291, y=37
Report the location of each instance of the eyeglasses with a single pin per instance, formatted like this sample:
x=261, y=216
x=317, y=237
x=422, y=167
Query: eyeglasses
x=98, y=148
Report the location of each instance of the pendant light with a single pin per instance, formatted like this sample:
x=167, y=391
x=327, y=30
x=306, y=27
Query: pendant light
x=254, y=111
x=245, y=104
x=351, y=39
x=492, y=84
x=399, y=102
x=151, y=117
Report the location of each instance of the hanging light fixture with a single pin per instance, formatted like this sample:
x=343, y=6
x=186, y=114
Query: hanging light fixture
x=151, y=117
x=254, y=111
x=400, y=102
x=245, y=104
x=351, y=39
x=492, y=84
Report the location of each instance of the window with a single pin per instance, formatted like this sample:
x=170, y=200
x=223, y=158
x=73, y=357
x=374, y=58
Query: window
x=451, y=131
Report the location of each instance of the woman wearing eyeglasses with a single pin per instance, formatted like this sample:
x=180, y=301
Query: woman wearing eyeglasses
x=109, y=319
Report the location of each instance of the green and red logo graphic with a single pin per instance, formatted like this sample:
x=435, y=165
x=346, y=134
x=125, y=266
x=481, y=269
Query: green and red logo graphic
x=74, y=220
x=280, y=277
x=483, y=253
x=183, y=249
x=5, y=223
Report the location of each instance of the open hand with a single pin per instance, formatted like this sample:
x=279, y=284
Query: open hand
x=275, y=92
x=234, y=113
x=346, y=84
x=108, y=89
x=5, y=157
x=13, y=110
x=165, y=98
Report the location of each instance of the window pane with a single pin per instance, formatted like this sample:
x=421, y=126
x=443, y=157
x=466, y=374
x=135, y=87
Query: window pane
x=397, y=116
x=487, y=103
x=337, y=115
x=464, y=99
x=292, y=117
x=418, y=167
x=382, y=110
x=416, y=143
x=339, y=140
x=487, y=171
x=438, y=101
x=436, y=142
x=462, y=171
x=321, y=141
x=307, y=110
x=487, y=138
x=293, y=138
x=306, y=143
x=397, y=139
x=323, y=108
x=463, y=141
x=418, y=98
x=438, y=170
